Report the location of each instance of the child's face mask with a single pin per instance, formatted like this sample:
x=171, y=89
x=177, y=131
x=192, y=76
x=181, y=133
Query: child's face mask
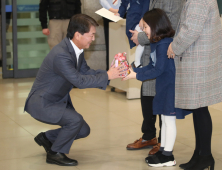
x=146, y=29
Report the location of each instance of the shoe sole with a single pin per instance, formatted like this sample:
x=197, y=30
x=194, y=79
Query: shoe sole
x=40, y=143
x=150, y=155
x=170, y=163
x=57, y=163
x=145, y=147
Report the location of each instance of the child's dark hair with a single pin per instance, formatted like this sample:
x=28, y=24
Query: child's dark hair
x=159, y=24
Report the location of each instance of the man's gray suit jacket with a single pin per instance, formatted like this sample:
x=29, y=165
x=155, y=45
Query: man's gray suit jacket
x=56, y=77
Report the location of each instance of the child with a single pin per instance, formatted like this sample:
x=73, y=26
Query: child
x=136, y=10
x=159, y=30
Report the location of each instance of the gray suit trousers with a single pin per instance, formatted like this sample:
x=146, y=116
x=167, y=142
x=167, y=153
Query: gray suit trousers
x=73, y=127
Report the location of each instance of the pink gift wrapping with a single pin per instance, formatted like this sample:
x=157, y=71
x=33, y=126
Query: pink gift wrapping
x=118, y=60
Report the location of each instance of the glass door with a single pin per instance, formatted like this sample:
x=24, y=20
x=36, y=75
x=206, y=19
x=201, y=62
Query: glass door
x=32, y=46
x=26, y=46
x=220, y=6
x=7, y=40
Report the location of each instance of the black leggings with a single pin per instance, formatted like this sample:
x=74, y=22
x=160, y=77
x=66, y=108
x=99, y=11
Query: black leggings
x=149, y=120
x=106, y=33
x=203, y=130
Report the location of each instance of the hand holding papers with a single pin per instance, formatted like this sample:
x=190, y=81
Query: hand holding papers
x=107, y=14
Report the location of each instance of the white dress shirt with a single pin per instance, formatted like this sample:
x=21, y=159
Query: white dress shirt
x=77, y=51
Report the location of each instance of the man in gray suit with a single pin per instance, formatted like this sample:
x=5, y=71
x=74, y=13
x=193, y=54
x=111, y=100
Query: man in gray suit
x=49, y=100
x=173, y=9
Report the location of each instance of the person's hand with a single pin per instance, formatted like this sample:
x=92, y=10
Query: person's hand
x=117, y=14
x=141, y=24
x=132, y=75
x=170, y=52
x=46, y=31
x=115, y=72
x=114, y=10
x=134, y=37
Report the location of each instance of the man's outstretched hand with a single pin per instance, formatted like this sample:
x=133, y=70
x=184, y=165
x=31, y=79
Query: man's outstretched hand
x=115, y=72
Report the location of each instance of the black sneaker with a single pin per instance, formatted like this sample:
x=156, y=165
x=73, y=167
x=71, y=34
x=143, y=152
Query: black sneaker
x=150, y=157
x=162, y=160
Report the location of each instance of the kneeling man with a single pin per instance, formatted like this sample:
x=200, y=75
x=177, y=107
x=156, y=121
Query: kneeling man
x=49, y=100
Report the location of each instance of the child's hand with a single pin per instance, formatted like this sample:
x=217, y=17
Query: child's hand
x=117, y=14
x=132, y=75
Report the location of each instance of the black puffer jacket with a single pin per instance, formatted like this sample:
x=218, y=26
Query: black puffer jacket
x=58, y=9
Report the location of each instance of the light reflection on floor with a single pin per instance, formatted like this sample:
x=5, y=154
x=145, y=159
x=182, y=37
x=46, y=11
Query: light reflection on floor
x=114, y=121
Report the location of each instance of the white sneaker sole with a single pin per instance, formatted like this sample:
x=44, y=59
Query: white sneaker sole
x=170, y=163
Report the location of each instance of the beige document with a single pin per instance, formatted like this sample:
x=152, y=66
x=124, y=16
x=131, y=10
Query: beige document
x=107, y=14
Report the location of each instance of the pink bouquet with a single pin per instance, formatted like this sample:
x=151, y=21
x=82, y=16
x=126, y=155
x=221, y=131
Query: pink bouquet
x=119, y=59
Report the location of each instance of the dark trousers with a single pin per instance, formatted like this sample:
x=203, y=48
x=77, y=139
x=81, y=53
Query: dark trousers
x=106, y=33
x=73, y=127
x=203, y=130
x=149, y=120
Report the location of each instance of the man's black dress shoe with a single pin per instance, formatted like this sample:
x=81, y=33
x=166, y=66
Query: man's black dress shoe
x=41, y=141
x=60, y=159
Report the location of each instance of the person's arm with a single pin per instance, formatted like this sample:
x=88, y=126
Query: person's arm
x=78, y=7
x=146, y=5
x=123, y=7
x=143, y=39
x=113, y=72
x=192, y=26
x=86, y=70
x=148, y=67
x=114, y=10
x=63, y=66
x=105, y=4
x=43, y=8
x=160, y=66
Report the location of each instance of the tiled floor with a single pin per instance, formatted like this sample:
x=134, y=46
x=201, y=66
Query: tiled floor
x=114, y=121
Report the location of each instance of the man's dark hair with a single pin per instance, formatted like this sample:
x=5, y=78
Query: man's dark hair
x=80, y=23
x=159, y=24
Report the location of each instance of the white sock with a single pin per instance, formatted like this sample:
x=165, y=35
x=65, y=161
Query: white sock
x=139, y=50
